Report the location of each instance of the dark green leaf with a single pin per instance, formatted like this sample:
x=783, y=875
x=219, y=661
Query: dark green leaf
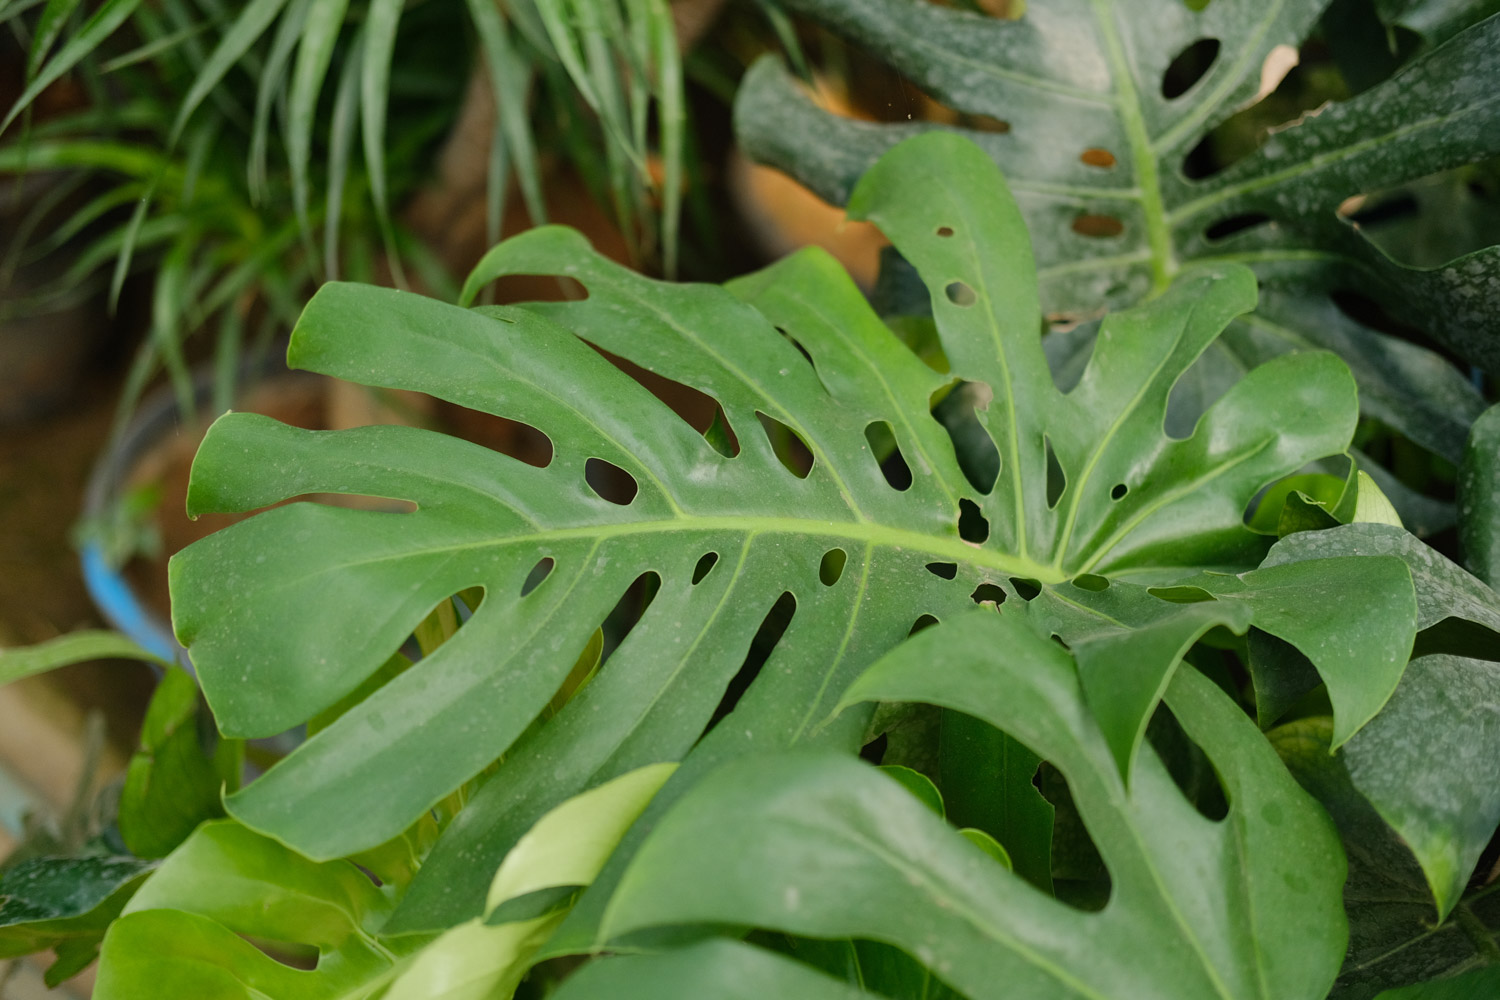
x=1417, y=761
x=1479, y=498
x=988, y=785
x=1092, y=137
x=64, y=903
x=173, y=782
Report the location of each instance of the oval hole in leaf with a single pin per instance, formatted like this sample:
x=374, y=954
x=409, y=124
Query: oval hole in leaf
x=1057, y=479
x=1025, y=589
x=790, y=449
x=956, y=407
x=706, y=563
x=1096, y=157
x=988, y=593
x=1225, y=228
x=1098, y=226
x=772, y=628
x=1119, y=491
x=539, y=572
x=960, y=293
x=945, y=231
x=610, y=482
x=1189, y=67
x=926, y=621
x=628, y=611
x=1091, y=581
x=882, y=441
x=832, y=566
x=943, y=569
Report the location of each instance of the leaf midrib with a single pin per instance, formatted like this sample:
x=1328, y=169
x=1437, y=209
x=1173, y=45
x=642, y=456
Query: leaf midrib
x=868, y=533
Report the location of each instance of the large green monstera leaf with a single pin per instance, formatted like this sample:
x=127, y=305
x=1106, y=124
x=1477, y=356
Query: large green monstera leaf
x=823, y=846
x=300, y=608
x=1094, y=152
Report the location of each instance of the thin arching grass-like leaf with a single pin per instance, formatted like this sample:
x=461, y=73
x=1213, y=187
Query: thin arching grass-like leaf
x=246, y=30
x=341, y=128
x=510, y=79
x=319, y=34
x=100, y=25
x=49, y=27
x=272, y=83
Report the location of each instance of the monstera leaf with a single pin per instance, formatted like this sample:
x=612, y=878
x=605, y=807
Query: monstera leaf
x=823, y=846
x=821, y=565
x=1094, y=151
x=185, y=934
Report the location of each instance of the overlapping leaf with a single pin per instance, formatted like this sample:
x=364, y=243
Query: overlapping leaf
x=821, y=846
x=185, y=934
x=287, y=612
x=1423, y=762
x=1092, y=136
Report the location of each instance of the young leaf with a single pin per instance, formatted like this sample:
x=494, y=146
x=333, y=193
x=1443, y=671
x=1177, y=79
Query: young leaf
x=173, y=782
x=1094, y=150
x=822, y=847
x=483, y=519
x=725, y=970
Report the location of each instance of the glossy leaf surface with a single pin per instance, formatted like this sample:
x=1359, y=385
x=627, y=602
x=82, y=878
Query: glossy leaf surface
x=310, y=600
x=1095, y=149
x=822, y=847
x=1423, y=762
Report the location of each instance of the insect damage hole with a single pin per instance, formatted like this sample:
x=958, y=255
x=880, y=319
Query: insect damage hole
x=832, y=566
x=1118, y=493
x=1190, y=66
x=610, y=482
x=924, y=622
x=960, y=293
x=988, y=593
x=767, y=637
x=790, y=450
x=946, y=570
x=973, y=526
x=882, y=441
x=1025, y=589
x=706, y=563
